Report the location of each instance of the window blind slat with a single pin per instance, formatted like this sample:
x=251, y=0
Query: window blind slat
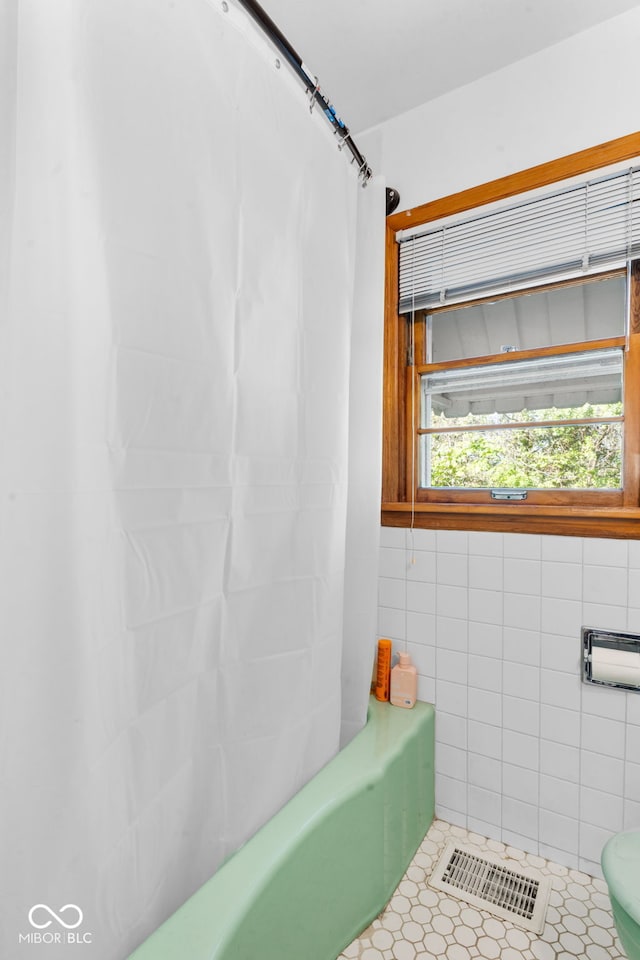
x=578, y=230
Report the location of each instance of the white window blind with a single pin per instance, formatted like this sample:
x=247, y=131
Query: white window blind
x=581, y=229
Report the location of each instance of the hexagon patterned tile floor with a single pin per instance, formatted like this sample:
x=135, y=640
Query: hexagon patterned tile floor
x=420, y=923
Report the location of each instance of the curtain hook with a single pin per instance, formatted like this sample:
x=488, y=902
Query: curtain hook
x=342, y=136
x=312, y=95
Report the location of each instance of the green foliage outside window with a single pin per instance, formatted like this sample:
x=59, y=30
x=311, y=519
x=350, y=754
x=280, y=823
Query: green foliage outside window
x=573, y=456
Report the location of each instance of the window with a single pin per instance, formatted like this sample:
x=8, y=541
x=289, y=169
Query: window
x=512, y=380
x=542, y=411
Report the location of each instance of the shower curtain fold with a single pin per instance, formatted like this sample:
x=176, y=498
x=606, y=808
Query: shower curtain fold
x=183, y=255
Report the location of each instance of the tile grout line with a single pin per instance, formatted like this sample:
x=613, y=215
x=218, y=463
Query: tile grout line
x=467, y=797
x=580, y=737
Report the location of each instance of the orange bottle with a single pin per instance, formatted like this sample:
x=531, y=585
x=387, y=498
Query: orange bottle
x=383, y=671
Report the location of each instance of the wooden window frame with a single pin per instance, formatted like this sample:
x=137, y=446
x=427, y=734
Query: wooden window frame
x=592, y=514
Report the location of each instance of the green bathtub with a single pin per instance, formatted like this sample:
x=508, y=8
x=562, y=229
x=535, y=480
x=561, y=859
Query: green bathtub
x=325, y=866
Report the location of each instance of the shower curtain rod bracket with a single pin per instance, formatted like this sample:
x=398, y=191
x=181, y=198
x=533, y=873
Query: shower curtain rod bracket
x=393, y=199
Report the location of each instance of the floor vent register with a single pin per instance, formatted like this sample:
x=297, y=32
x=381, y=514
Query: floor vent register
x=488, y=883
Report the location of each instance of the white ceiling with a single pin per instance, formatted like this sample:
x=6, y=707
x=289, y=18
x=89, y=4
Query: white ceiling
x=375, y=59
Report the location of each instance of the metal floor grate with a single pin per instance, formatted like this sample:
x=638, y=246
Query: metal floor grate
x=487, y=882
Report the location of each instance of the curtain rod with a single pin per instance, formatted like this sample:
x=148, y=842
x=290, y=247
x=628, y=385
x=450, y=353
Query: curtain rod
x=311, y=83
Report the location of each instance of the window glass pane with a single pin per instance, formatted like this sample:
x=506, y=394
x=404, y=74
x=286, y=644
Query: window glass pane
x=569, y=314
x=567, y=457
x=456, y=404
x=518, y=388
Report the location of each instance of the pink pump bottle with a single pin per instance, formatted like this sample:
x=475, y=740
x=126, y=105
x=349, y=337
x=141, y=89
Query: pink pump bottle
x=404, y=682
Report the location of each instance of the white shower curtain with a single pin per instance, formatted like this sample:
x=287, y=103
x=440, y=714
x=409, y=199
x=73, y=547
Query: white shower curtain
x=188, y=369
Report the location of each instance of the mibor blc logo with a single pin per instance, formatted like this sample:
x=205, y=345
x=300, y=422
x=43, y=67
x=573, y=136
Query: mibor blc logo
x=47, y=924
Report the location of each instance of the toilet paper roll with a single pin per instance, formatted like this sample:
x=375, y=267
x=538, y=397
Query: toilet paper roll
x=615, y=666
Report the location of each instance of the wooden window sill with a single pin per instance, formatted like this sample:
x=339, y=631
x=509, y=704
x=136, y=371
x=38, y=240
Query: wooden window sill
x=606, y=522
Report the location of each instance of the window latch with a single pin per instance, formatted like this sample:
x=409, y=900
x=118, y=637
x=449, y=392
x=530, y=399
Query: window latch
x=508, y=494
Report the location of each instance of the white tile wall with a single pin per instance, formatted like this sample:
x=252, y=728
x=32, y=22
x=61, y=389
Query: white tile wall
x=525, y=753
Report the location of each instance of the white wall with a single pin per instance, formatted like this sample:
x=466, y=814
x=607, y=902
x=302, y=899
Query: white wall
x=573, y=95
x=525, y=752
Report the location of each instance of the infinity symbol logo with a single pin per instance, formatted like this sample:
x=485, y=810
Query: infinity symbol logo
x=56, y=916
